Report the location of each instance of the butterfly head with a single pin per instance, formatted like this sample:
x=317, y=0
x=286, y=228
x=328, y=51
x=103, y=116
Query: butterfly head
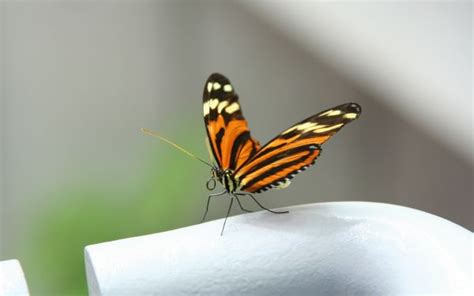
x=225, y=177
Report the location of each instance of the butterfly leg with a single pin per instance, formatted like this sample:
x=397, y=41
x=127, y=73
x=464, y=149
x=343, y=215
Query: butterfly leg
x=228, y=212
x=209, y=201
x=240, y=205
x=261, y=206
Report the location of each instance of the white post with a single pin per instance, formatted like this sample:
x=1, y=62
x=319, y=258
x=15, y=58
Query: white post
x=325, y=249
x=12, y=279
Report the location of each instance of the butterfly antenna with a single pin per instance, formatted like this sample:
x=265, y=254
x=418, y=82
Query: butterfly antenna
x=156, y=135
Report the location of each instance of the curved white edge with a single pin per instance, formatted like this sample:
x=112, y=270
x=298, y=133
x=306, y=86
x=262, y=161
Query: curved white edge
x=326, y=248
x=12, y=279
x=92, y=284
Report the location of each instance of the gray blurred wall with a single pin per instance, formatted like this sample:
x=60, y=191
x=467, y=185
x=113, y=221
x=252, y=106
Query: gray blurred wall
x=81, y=78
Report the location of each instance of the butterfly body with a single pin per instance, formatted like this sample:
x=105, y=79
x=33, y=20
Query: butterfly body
x=226, y=178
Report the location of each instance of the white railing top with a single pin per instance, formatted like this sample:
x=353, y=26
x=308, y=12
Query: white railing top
x=327, y=248
x=12, y=279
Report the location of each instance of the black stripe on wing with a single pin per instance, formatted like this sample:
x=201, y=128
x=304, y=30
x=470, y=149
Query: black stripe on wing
x=277, y=171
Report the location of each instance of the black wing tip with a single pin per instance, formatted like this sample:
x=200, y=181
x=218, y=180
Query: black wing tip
x=352, y=107
x=218, y=77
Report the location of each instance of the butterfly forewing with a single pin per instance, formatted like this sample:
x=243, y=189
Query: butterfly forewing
x=293, y=150
x=227, y=130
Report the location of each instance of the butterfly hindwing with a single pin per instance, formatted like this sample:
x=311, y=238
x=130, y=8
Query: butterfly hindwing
x=293, y=150
x=227, y=130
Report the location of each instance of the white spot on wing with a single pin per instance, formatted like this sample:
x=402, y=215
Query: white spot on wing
x=228, y=88
x=232, y=108
x=221, y=106
x=305, y=127
x=217, y=85
x=209, y=87
x=350, y=115
x=205, y=108
x=323, y=130
x=289, y=130
x=213, y=103
x=331, y=113
x=283, y=184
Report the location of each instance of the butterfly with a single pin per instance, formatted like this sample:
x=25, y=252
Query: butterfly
x=244, y=167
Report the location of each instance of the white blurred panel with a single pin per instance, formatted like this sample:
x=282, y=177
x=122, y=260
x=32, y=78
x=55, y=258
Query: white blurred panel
x=416, y=57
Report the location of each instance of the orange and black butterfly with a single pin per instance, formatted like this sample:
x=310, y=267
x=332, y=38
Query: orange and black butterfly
x=240, y=163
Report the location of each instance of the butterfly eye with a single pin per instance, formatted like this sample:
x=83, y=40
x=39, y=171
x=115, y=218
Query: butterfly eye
x=211, y=184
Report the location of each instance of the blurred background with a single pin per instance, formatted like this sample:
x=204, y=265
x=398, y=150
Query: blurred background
x=79, y=79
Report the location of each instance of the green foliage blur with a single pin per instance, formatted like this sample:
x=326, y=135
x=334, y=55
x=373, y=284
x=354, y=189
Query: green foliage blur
x=81, y=214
